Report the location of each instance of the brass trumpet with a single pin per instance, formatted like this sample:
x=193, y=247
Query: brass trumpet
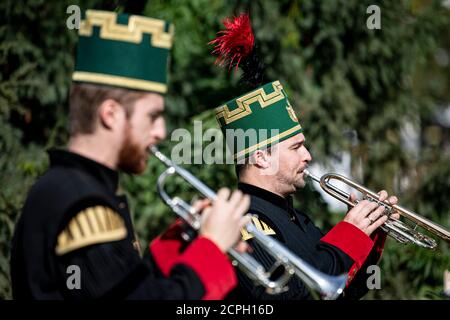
x=397, y=229
x=329, y=287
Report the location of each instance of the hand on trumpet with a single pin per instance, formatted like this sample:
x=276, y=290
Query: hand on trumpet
x=222, y=222
x=367, y=215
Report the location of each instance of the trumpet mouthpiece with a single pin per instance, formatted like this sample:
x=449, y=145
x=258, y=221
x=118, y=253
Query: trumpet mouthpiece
x=308, y=174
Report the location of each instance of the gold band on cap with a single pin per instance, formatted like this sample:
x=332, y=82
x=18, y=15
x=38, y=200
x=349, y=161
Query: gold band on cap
x=119, y=81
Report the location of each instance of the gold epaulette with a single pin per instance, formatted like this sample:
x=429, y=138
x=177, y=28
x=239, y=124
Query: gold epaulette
x=93, y=225
x=260, y=225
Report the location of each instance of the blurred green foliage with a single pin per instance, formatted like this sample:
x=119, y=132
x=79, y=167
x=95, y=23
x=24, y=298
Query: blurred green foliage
x=340, y=76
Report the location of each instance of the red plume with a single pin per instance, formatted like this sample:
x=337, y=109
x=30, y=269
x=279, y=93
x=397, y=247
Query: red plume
x=234, y=43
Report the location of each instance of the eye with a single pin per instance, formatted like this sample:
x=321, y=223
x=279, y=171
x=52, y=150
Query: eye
x=153, y=116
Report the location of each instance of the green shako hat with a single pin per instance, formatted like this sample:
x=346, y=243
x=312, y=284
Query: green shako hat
x=257, y=120
x=122, y=50
x=263, y=116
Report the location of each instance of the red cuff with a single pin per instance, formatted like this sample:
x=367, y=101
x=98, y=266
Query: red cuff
x=379, y=238
x=351, y=240
x=212, y=267
x=166, y=248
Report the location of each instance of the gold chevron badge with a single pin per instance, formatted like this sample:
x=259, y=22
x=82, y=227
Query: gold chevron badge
x=260, y=225
x=94, y=225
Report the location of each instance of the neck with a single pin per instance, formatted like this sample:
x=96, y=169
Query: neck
x=266, y=182
x=91, y=147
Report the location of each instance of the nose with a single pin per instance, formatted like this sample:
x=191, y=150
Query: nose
x=159, y=130
x=308, y=156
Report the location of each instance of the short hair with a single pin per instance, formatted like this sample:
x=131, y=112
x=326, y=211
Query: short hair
x=85, y=100
x=240, y=168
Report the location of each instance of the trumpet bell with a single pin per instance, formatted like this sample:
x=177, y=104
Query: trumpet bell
x=397, y=229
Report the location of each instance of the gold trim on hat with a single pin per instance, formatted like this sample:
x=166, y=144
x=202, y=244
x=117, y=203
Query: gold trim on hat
x=131, y=83
x=243, y=103
x=291, y=112
x=261, y=144
x=137, y=26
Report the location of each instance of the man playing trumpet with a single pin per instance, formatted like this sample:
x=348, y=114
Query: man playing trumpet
x=76, y=223
x=270, y=168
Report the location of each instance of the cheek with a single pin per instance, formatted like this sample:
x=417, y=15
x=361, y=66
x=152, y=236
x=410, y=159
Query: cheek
x=285, y=162
x=140, y=129
x=124, y=131
x=296, y=160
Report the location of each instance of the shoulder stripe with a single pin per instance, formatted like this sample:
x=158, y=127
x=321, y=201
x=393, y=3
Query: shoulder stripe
x=93, y=225
x=260, y=225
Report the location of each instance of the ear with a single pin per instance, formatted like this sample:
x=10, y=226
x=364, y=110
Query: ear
x=110, y=113
x=261, y=159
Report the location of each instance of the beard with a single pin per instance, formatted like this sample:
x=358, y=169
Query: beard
x=132, y=157
x=300, y=183
x=297, y=181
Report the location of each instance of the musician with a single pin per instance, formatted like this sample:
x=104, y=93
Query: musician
x=75, y=238
x=269, y=146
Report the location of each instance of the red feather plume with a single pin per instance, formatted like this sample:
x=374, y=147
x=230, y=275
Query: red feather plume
x=234, y=43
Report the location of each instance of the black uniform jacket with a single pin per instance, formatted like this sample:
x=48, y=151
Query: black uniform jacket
x=345, y=249
x=75, y=240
